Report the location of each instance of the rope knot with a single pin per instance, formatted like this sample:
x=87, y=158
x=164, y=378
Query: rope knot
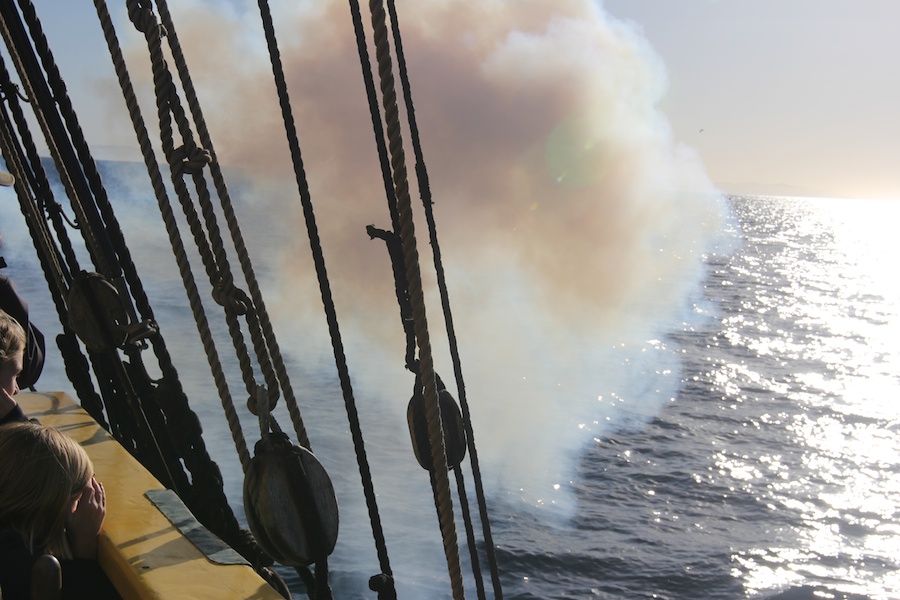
x=140, y=12
x=191, y=159
x=229, y=296
x=383, y=585
x=262, y=395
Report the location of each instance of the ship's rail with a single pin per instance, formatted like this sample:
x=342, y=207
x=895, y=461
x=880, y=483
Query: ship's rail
x=142, y=552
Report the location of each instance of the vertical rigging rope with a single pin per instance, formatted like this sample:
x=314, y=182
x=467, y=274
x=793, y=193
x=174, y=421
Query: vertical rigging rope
x=425, y=193
x=56, y=262
x=267, y=339
x=414, y=280
x=325, y=288
x=172, y=230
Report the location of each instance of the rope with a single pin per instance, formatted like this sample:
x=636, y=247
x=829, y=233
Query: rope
x=57, y=262
x=43, y=104
x=224, y=522
x=262, y=333
x=175, y=412
x=39, y=177
x=470, y=534
x=414, y=279
x=113, y=234
x=427, y=203
x=32, y=76
x=325, y=289
x=171, y=225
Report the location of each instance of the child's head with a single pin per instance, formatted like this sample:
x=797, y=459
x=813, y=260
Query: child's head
x=42, y=475
x=12, y=349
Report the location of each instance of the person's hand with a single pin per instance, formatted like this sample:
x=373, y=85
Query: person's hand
x=84, y=522
x=7, y=403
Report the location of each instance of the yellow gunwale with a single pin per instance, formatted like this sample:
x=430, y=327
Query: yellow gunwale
x=142, y=553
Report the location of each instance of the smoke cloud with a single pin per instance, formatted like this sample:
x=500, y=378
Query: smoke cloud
x=572, y=224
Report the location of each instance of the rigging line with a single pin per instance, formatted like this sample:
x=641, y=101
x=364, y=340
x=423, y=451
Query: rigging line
x=28, y=170
x=215, y=508
x=64, y=258
x=171, y=225
x=62, y=255
x=30, y=176
x=414, y=279
x=174, y=237
x=111, y=228
x=391, y=238
x=67, y=164
x=47, y=252
x=189, y=159
x=37, y=224
x=35, y=88
x=325, y=290
x=425, y=193
x=174, y=411
x=375, y=113
x=269, y=340
x=470, y=534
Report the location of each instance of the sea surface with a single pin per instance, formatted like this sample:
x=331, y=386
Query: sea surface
x=773, y=472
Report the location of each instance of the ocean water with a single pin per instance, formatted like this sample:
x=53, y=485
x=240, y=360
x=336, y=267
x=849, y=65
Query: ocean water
x=774, y=472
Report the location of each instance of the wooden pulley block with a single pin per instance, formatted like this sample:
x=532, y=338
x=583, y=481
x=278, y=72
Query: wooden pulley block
x=96, y=312
x=451, y=423
x=290, y=503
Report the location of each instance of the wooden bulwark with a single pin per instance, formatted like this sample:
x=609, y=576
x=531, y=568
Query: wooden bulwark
x=142, y=552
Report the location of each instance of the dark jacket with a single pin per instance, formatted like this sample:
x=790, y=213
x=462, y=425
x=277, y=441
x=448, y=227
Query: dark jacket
x=82, y=579
x=14, y=416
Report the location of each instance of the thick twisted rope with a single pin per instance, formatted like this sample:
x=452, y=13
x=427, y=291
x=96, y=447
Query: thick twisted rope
x=228, y=526
x=427, y=203
x=178, y=416
x=325, y=290
x=53, y=269
x=417, y=296
x=112, y=231
x=267, y=338
x=42, y=120
x=54, y=262
x=171, y=225
x=44, y=104
x=187, y=159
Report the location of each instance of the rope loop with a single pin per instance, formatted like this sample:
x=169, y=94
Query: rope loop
x=229, y=296
x=190, y=159
x=261, y=395
x=141, y=14
x=383, y=585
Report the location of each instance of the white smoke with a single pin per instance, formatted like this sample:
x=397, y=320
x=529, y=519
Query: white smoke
x=572, y=224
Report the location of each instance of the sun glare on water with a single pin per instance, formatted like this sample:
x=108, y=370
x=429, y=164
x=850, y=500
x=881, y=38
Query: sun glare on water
x=828, y=477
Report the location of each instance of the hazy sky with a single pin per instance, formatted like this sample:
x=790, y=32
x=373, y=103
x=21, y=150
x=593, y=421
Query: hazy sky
x=776, y=95
x=797, y=93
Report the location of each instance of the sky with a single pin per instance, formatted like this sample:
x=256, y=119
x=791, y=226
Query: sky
x=791, y=97
x=576, y=151
x=794, y=95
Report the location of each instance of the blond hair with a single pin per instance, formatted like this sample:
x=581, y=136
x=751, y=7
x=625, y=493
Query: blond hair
x=12, y=338
x=41, y=473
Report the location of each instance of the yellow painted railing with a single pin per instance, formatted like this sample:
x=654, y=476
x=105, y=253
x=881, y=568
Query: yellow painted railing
x=142, y=552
